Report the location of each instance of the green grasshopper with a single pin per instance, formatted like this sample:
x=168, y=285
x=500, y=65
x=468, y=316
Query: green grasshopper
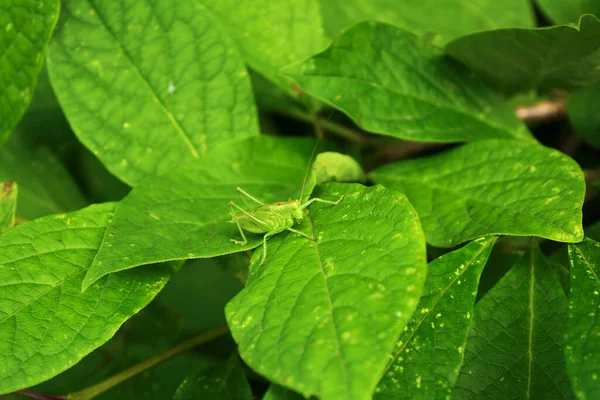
x=274, y=218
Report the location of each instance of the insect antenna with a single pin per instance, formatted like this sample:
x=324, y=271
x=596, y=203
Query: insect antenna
x=319, y=134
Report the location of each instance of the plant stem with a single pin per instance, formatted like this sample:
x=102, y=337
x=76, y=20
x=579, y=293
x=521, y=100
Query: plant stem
x=540, y=112
x=333, y=127
x=39, y=396
x=151, y=362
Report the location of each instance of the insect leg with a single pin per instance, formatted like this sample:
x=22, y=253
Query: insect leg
x=267, y=235
x=308, y=203
x=232, y=204
x=300, y=233
x=243, y=242
x=242, y=191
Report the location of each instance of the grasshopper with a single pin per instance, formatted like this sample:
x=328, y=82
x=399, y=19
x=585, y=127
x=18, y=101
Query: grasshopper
x=274, y=218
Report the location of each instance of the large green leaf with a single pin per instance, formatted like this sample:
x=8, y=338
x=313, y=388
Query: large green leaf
x=201, y=282
x=517, y=60
x=272, y=34
x=222, y=381
x=430, y=352
x=447, y=18
x=322, y=316
x=46, y=323
x=582, y=108
x=25, y=29
x=8, y=205
x=563, y=11
x=515, y=345
x=45, y=186
x=147, y=85
x=392, y=82
x=184, y=215
x=492, y=187
x=277, y=392
x=583, y=331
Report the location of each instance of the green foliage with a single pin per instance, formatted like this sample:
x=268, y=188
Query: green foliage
x=8, y=205
x=429, y=353
x=393, y=82
x=192, y=201
x=458, y=18
x=25, y=29
x=47, y=324
x=348, y=313
x=492, y=187
x=583, y=114
x=563, y=11
x=583, y=333
x=45, y=186
x=223, y=381
x=446, y=122
x=516, y=60
x=515, y=345
x=157, y=65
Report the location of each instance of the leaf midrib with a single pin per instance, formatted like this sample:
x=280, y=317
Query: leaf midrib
x=448, y=107
x=178, y=128
x=456, y=277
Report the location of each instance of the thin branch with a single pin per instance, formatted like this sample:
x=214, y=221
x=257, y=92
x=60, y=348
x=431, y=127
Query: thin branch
x=543, y=111
x=39, y=396
x=145, y=365
x=332, y=127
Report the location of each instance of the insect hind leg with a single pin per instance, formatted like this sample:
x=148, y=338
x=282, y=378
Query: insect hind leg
x=308, y=203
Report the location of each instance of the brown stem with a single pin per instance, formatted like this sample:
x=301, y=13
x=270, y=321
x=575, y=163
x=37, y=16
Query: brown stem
x=543, y=111
x=39, y=396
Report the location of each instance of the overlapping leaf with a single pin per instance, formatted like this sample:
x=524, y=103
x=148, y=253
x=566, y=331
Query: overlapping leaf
x=25, y=29
x=45, y=186
x=277, y=392
x=492, y=187
x=563, y=11
x=146, y=86
x=222, y=381
x=513, y=60
x=392, y=82
x=583, y=332
x=185, y=215
x=429, y=353
x=321, y=316
x=515, y=344
x=8, y=205
x=447, y=18
x=583, y=114
x=272, y=34
x=46, y=323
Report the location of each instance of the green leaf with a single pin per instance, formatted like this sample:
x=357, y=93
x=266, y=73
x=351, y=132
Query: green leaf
x=320, y=317
x=499, y=187
x=517, y=60
x=46, y=323
x=515, y=346
x=184, y=215
x=127, y=347
x=277, y=392
x=392, y=82
x=147, y=86
x=449, y=19
x=429, y=353
x=563, y=11
x=222, y=381
x=45, y=186
x=583, y=114
x=201, y=282
x=582, y=338
x=25, y=29
x=331, y=166
x=272, y=34
x=8, y=205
